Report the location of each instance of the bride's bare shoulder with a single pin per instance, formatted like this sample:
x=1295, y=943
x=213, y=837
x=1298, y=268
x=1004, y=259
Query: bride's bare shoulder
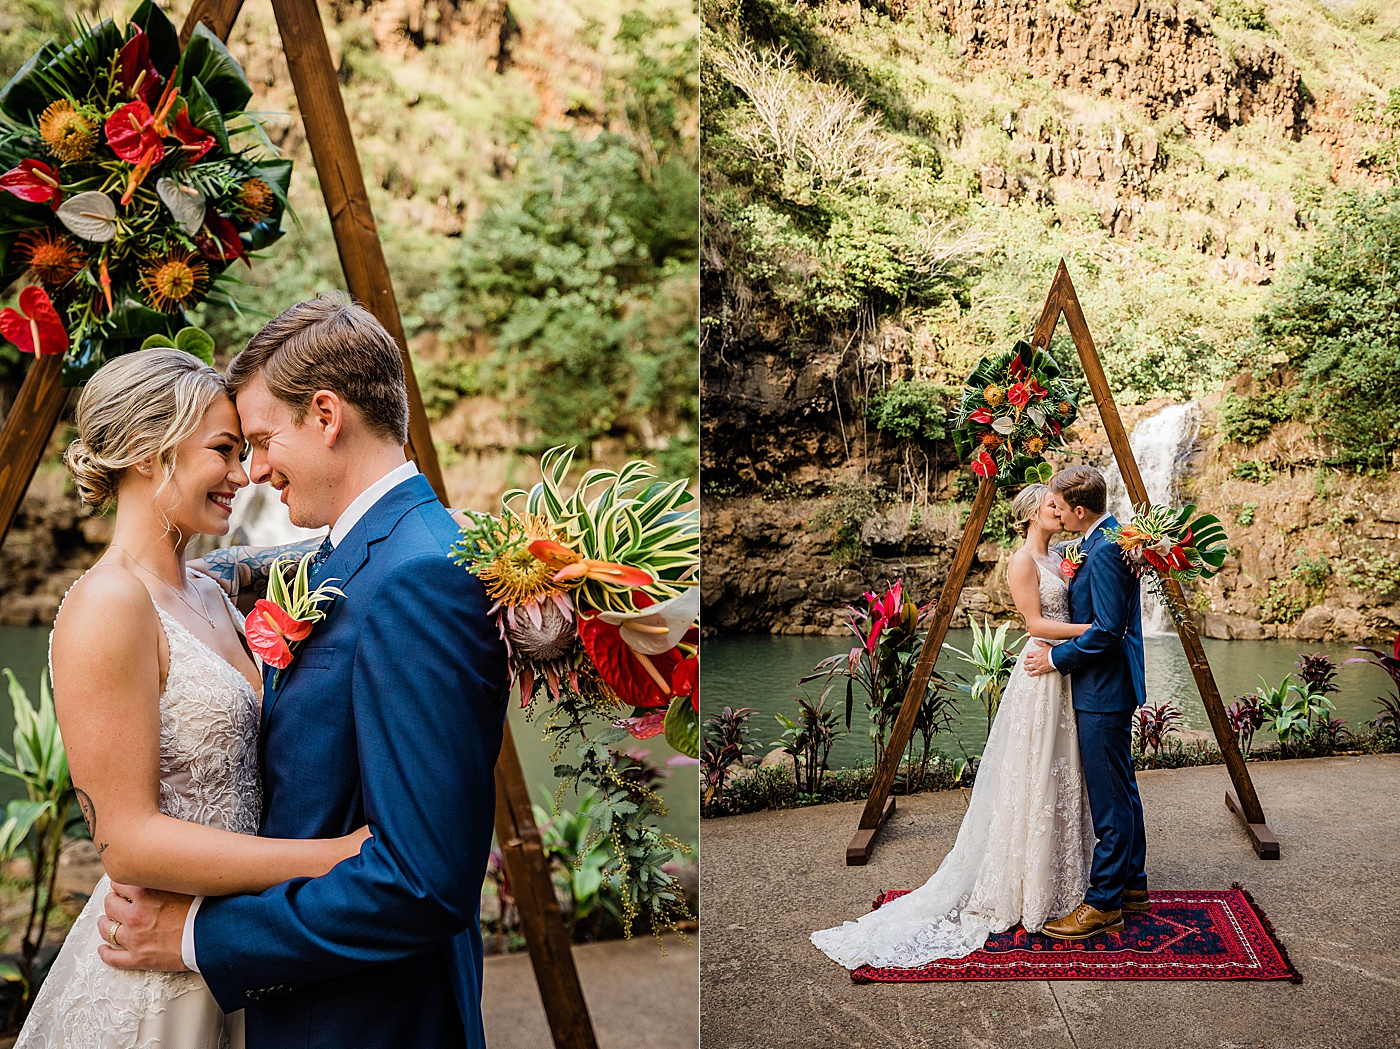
x=109, y=603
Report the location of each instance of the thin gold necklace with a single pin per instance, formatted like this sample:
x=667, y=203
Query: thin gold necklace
x=203, y=614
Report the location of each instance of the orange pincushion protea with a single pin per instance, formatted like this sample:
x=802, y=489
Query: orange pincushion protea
x=52, y=257
x=254, y=202
x=175, y=280
x=1034, y=445
x=994, y=395
x=69, y=136
x=517, y=577
x=991, y=440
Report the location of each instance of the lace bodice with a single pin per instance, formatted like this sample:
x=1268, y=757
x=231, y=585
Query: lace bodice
x=1054, y=595
x=209, y=715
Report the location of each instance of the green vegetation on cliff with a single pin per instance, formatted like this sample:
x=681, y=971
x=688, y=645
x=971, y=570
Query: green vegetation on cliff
x=533, y=171
x=904, y=178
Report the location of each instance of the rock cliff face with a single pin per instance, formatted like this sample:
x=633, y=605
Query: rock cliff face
x=1307, y=548
x=1161, y=56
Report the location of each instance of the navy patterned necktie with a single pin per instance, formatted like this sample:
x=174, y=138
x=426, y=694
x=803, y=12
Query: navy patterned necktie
x=323, y=553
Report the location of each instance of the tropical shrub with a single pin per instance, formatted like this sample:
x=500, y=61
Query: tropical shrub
x=848, y=505
x=883, y=660
x=724, y=743
x=1387, y=719
x=991, y=660
x=37, y=823
x=908, y=410
x=1246, y=718
x=1249, y=419
x=808, y=740
x=1336, y=316
x=1154, y=723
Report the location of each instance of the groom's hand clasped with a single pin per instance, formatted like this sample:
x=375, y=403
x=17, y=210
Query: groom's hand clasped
x=143, y=928
x=1038, y=660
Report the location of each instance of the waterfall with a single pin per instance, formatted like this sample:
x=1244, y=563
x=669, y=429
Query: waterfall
x=1161, y=444
x=260, y=519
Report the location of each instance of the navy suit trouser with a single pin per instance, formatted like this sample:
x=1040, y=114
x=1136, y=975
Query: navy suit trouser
x=1120, y=857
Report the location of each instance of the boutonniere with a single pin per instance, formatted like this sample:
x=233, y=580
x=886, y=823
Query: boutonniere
x=285, y=617
x=1071, y=558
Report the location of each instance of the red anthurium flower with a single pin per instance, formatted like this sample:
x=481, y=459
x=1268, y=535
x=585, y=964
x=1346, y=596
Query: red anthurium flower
x=132, y=134
x=139, y=76
x=638, y=680
x=1156, y=560
x=685, y=680
x=981, y=415
x=1036, y=389
x=33, y=181
x=1018, y=367
x=1068, y=567
x=37, y=330
x=270, y=629
x=219, y=239
x=984, y=465
x=573, y=565
x=194, y=140
x=1055, y=426
x=646, y=726
x=1019, y=395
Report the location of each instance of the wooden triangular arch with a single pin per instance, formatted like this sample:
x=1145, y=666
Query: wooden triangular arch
x=880, y=804
x=41, y=399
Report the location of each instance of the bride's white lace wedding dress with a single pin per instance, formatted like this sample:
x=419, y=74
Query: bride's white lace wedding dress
x=208, y=774
x=1025, y=846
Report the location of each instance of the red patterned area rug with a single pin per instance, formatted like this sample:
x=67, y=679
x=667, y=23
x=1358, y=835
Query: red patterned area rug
x=1189, y=934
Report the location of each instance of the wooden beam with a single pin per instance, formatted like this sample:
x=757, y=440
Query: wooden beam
x=342, y=184
x=527, y=870
x=1063, y=296
x=858, y=851
x=26, y=433
x=218, y=15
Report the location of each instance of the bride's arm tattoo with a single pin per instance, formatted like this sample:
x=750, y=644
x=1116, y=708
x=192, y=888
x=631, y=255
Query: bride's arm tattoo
x=239, y=569
x=89, y=811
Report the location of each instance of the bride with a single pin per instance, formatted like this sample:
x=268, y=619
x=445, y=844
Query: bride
x=1024, y=848
x=158, y=700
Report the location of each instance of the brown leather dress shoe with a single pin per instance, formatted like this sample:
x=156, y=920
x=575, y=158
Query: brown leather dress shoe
x=1136, y=900
x=1082, y=922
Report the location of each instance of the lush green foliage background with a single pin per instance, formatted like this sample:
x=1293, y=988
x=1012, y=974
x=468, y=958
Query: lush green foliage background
x=534, y=177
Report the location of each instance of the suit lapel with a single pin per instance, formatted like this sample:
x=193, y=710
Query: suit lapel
x=349, y=557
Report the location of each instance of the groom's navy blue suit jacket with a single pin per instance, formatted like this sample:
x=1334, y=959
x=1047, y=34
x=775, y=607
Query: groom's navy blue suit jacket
x=391, y=714
x=1106, y=660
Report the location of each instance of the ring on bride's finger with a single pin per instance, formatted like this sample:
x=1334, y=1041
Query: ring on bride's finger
x=112, y=933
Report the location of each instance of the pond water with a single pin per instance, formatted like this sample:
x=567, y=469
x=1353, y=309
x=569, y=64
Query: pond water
x=25, y=651
x=762, y=672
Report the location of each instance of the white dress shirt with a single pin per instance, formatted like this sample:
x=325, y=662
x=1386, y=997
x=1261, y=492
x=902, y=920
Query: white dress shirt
x=1050, y=655
x=359, y=506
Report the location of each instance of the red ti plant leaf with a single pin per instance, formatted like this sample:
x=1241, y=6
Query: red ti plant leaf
x=638, y=680
x=37, y=330
x=271, y=631
x=33, y=181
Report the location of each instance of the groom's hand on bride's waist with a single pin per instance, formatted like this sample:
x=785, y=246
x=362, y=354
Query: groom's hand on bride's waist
x=1038, y=660
x=146, y=927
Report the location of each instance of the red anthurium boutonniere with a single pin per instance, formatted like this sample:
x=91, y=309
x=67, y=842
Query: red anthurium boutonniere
x=1071, y=559
x=285, y=617
x=38, y=328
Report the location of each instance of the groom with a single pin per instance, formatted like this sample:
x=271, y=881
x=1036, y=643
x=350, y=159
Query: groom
x=390, y=714
x=1105, y=665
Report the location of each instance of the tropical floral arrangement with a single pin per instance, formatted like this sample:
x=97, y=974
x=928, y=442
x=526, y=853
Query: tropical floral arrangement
x=1161, y=542
x=1013, y=407
x=596, y=593
x=125, y=198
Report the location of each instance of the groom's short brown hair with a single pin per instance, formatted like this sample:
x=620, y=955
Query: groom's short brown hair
x=329, y=343
x=1081, y=486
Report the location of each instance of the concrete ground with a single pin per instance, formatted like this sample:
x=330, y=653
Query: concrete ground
x=769, y=879
x=638, y=997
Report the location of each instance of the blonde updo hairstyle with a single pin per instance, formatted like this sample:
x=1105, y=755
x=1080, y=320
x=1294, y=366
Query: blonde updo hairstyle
x=140, y=406
x=1026, y=505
